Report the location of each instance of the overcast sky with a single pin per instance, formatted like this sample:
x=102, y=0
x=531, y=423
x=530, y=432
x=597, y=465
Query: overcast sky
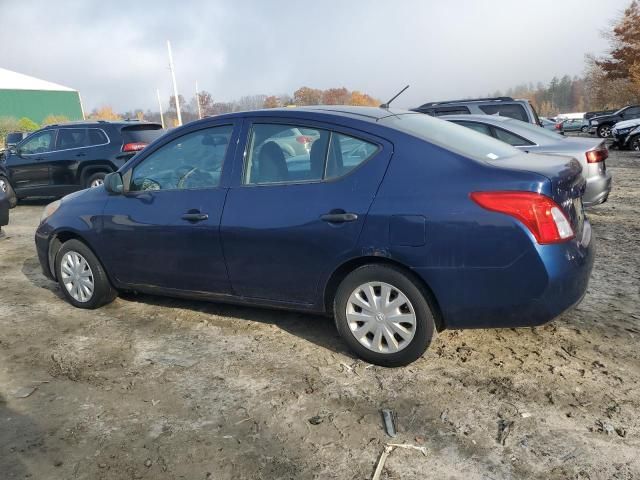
x=115, y=52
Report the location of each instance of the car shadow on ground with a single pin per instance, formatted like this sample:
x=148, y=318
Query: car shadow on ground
x=316, y=329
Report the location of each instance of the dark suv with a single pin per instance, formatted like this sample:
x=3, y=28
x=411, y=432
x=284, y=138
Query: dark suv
x=60, y=159
x=503, y=106
x=603, y=124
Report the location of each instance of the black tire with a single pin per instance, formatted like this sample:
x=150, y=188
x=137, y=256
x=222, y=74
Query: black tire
x=6, y=187
x=634, y=143
x=584, y=129
x=604, y=131
x=103, y=292
x=418, y=298
x=95, y=177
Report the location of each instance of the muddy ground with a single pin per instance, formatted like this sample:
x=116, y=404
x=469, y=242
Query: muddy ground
x=158, y=388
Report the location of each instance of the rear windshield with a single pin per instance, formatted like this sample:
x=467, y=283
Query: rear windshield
x=450, y=136
x=141, y=133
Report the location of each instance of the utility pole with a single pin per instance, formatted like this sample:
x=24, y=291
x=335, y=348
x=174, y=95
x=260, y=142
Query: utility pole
x=160, y=106
x=198, y=101
x=175, y=87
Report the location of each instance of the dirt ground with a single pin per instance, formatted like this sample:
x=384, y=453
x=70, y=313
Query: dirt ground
x=158, y=388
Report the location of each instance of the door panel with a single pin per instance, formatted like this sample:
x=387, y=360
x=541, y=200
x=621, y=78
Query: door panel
x=31, y=168
x=165, y=231
x=276, y=242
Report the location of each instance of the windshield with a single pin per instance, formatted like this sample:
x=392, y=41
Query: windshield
x=535, y=130
x=458, y=139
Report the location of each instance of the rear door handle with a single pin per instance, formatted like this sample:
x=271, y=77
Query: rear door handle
x=195, y=217
x=339, y=217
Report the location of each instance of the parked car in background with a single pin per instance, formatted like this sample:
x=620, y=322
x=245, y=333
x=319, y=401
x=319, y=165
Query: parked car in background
x=295, y=141
x=597, y=113
x=60, y=159
x=553, y=126
x=621, y=131
x=372, y=226
x=632, y=140
x=529, y=138
x=14, y=138
x=504, y=106
x=602, y=124
x=575, y=125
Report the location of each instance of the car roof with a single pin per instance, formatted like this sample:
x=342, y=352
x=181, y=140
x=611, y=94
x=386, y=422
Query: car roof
x=98, y=123
x=369, y=114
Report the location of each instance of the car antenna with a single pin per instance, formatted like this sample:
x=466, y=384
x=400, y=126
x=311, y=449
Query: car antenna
x=386, y=105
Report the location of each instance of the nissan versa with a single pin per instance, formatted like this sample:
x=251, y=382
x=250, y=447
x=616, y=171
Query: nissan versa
x=396, y=223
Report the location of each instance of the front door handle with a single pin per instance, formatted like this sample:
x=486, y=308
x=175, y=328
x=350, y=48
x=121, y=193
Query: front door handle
x=195, y=217
x=339, y=217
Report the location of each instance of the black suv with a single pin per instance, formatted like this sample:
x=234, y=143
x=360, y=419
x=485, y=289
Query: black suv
x=504, y=106
x=602, y=124
x=60, y=159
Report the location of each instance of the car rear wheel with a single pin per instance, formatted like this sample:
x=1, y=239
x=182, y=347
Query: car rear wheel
x=82, y=279
x=5, y=187
x=604, y=131
x=584, y=129
x=634, y=144
x=95, y=180
x=383, y=315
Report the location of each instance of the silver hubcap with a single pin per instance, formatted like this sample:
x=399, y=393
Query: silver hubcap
x=77, y=276
x=381, y=317
x=97, y=182
x=605, y=131
x=3, y=186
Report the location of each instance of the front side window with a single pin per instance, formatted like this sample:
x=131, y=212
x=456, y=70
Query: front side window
x=41, y=142
x=512, y=110
x=192, y=161
x=289, y=154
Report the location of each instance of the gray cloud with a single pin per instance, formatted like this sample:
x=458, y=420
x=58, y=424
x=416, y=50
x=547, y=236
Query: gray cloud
x=115, y=52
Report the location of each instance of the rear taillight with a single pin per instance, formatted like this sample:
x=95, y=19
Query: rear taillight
x=558, y=126
x=540, y=214
x=133, y=147
x=303, y=139
x=598, y=154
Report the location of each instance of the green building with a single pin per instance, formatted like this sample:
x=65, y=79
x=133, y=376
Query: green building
x=25, y=96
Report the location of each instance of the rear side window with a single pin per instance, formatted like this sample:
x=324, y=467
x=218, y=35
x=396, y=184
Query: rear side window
x=71, y=138
x=141, y=133
x=460, y=110
x=511, y=110
x=309, y=155
x=478, y=127
x=510, y=138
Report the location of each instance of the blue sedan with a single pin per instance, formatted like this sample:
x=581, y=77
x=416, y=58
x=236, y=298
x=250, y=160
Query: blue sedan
x=396, y=223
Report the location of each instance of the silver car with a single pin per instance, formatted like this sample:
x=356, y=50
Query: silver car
x=591, y=153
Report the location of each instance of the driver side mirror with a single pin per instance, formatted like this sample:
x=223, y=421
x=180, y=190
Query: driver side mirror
x=113, y=183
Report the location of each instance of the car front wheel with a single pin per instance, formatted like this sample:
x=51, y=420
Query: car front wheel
x=604, y=131
x=634, y=144
x=5, y=187
x=82, y=278
x=383, y=315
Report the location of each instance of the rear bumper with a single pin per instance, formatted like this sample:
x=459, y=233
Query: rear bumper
x=535, y=289
x=597, y=190
x=4, y=210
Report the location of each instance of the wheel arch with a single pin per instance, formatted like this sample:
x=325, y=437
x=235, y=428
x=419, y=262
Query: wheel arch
x=62, y=236
x=349, y=266
x=88, y=170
